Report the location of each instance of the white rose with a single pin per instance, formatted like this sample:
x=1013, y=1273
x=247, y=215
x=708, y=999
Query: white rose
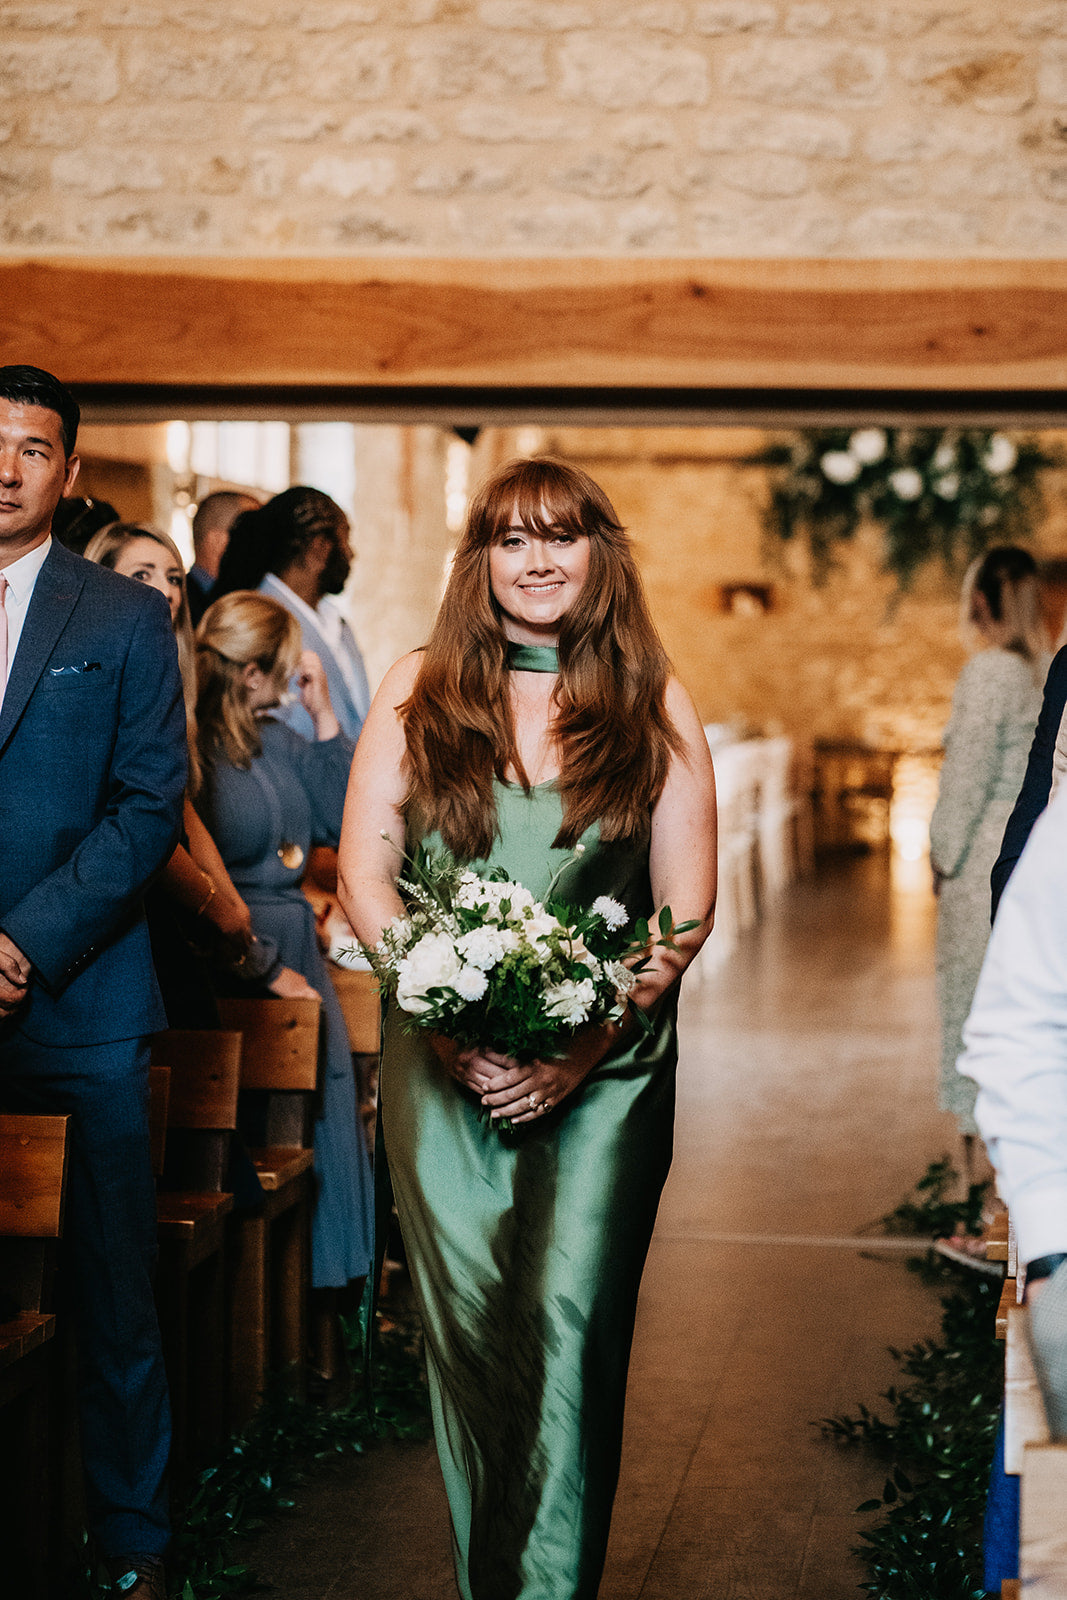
x=948, y=487
x=944, y=457
x=432, y=964
x=840, y=467
x=470, y=983
x=570, y=1001
x=1000, y=454
x=613, y=913
x=867, y=445
x=906, y=483
x=539, y=925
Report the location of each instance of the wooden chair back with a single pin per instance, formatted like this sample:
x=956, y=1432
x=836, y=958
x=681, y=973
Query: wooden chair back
x=281, y=1042
x=357, y=994
x=33, y=1178
x=205, y=1075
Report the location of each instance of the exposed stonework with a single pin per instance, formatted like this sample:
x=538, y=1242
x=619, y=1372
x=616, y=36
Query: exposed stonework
x=496, y=127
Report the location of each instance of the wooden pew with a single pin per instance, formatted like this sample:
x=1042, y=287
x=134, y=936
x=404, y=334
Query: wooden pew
x=33, y=1171
x=203, y=1078
x=271, y=1250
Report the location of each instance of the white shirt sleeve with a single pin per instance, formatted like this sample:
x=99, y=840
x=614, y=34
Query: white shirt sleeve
x=1015, y=1040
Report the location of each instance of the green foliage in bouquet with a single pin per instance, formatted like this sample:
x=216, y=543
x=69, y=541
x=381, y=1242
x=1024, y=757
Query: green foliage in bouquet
x=940, y=492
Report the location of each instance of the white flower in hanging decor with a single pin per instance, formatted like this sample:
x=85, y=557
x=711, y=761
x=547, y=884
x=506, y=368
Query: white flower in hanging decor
x=840, y=467
x=1001, y=454
x=868, y=445
x=944, y=457
x=947, y=486
x=906, y=483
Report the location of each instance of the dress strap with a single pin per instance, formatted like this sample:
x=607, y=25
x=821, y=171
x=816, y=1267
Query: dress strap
x=533, y=658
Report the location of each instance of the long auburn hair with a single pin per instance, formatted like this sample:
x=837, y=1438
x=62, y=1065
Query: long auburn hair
x=241, y=628
x=105, y=547
x=612, y=731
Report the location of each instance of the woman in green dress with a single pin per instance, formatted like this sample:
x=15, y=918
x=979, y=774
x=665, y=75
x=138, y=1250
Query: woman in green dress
x=540, y=715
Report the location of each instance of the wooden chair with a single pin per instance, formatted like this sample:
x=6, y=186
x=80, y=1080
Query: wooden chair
x=271, y=1249
x=203, y=1076
x=33, y=1170
x=357, y=995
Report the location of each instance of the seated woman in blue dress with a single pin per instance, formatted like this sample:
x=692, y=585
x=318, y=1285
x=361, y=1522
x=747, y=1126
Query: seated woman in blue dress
x=268, y=795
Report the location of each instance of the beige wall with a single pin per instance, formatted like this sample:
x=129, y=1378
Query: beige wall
x=534, y=127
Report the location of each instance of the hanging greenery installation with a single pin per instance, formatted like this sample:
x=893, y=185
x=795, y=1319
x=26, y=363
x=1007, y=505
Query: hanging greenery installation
x=932, y=491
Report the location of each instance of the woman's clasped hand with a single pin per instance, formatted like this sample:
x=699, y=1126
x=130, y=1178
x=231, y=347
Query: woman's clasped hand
x=522, y=1091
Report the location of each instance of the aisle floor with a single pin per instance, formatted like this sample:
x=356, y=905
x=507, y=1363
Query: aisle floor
x=806, y=1109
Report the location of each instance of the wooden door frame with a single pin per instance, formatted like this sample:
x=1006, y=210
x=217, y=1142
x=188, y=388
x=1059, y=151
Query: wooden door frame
x=586, y=340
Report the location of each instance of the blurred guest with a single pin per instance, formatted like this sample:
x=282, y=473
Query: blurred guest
x=215, y=516
x=994, y=709
x=268, y=795
x=78, y=518
x=194, y=903
x=296, y=549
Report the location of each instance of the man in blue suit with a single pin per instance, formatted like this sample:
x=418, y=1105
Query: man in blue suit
x=92, y=773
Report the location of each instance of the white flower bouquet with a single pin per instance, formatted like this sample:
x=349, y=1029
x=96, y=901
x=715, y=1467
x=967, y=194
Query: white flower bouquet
x=480, y=960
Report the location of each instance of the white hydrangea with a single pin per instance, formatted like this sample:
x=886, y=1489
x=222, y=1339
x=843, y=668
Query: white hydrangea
x=1001, y=454
x=613, y=913
x=906, y=483
x=840, y=466
x=867, y=445
x=431, y=964
x=485, y=947
x=570, y=1000
x=470, y=983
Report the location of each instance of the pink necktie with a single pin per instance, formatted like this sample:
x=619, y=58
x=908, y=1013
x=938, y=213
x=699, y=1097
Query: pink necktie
x=3, y=636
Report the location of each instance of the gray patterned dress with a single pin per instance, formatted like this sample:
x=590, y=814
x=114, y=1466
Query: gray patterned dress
x=994, y=709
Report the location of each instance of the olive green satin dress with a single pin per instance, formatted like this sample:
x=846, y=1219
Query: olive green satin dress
x=526, y=1252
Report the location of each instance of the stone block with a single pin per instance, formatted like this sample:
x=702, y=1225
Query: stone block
x=603, y=177
x=1050, y=180
x=932, y=230
x=44, y=17
x=219, y=174
x=289, y=126
x=766, y=176
x=734, y=16
x=476, y=177
x=806, y=72
x=227, y=70
x=269, y=175
x=554, y=228
x=1051, y=75
x=346, y=177
x=925, y=139
x=370, y=229
x=86, y=76
x=353, y=69
x=620, y=73
x=537, y=16
x=811, y=18
x=1045, y=135
x=1035, y=230
x=116, y=224
x=998, y=82
x=450, y=65
x=646, y=131
x=965, y=179
x=1040, y=21
x=390, y=126
x=96, y=171
x=663, y=16
x=787, y=228
x=800, y=133
x=19, y=174
x=647, y=227
x=6, y=130
x=125, y=125
x=133, y=15
x=336, y=15
x=509, y=125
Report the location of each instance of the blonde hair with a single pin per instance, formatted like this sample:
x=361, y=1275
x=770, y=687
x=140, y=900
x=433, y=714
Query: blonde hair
x=105, y=547
x=1005, y=578
x=240, y=630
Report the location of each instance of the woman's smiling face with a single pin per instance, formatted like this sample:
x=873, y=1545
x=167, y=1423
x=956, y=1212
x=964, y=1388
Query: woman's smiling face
x=535, y=579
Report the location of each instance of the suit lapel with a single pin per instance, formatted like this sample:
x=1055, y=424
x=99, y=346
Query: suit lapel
x=55, y=594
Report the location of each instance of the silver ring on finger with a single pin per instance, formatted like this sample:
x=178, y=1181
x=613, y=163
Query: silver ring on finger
x=532, y=1101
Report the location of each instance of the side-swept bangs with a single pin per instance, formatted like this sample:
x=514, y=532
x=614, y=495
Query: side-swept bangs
x=547, y=496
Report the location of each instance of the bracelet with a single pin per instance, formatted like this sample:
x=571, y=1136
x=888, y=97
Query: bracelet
x=202, y=907
x=1044, y=1266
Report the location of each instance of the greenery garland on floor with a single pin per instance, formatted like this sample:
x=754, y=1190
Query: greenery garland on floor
x=938, y=1441
x=259, y=1470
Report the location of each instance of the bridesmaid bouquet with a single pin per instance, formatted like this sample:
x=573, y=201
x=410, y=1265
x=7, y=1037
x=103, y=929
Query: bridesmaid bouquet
x=480, y=960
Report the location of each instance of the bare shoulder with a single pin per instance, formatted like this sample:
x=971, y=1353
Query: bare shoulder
x=683, y=713
x=399, y=681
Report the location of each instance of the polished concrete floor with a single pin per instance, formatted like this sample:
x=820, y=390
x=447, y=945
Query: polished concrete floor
x=806, y=1109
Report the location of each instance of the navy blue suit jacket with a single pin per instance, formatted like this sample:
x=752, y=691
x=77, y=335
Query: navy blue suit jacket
x=93, y=759
x=1033, y=796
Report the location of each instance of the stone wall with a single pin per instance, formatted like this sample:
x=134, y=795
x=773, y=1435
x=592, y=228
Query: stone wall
x=534, y=127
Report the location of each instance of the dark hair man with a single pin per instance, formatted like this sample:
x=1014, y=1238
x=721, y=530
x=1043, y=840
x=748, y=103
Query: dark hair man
x=92, y=773
x=215, y=516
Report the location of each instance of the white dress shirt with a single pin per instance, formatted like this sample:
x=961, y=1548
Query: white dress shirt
x=22, y=577
x=329, y=621
x=1015, y=1039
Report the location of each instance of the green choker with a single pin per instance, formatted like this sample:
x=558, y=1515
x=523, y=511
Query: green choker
x=533, y=658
